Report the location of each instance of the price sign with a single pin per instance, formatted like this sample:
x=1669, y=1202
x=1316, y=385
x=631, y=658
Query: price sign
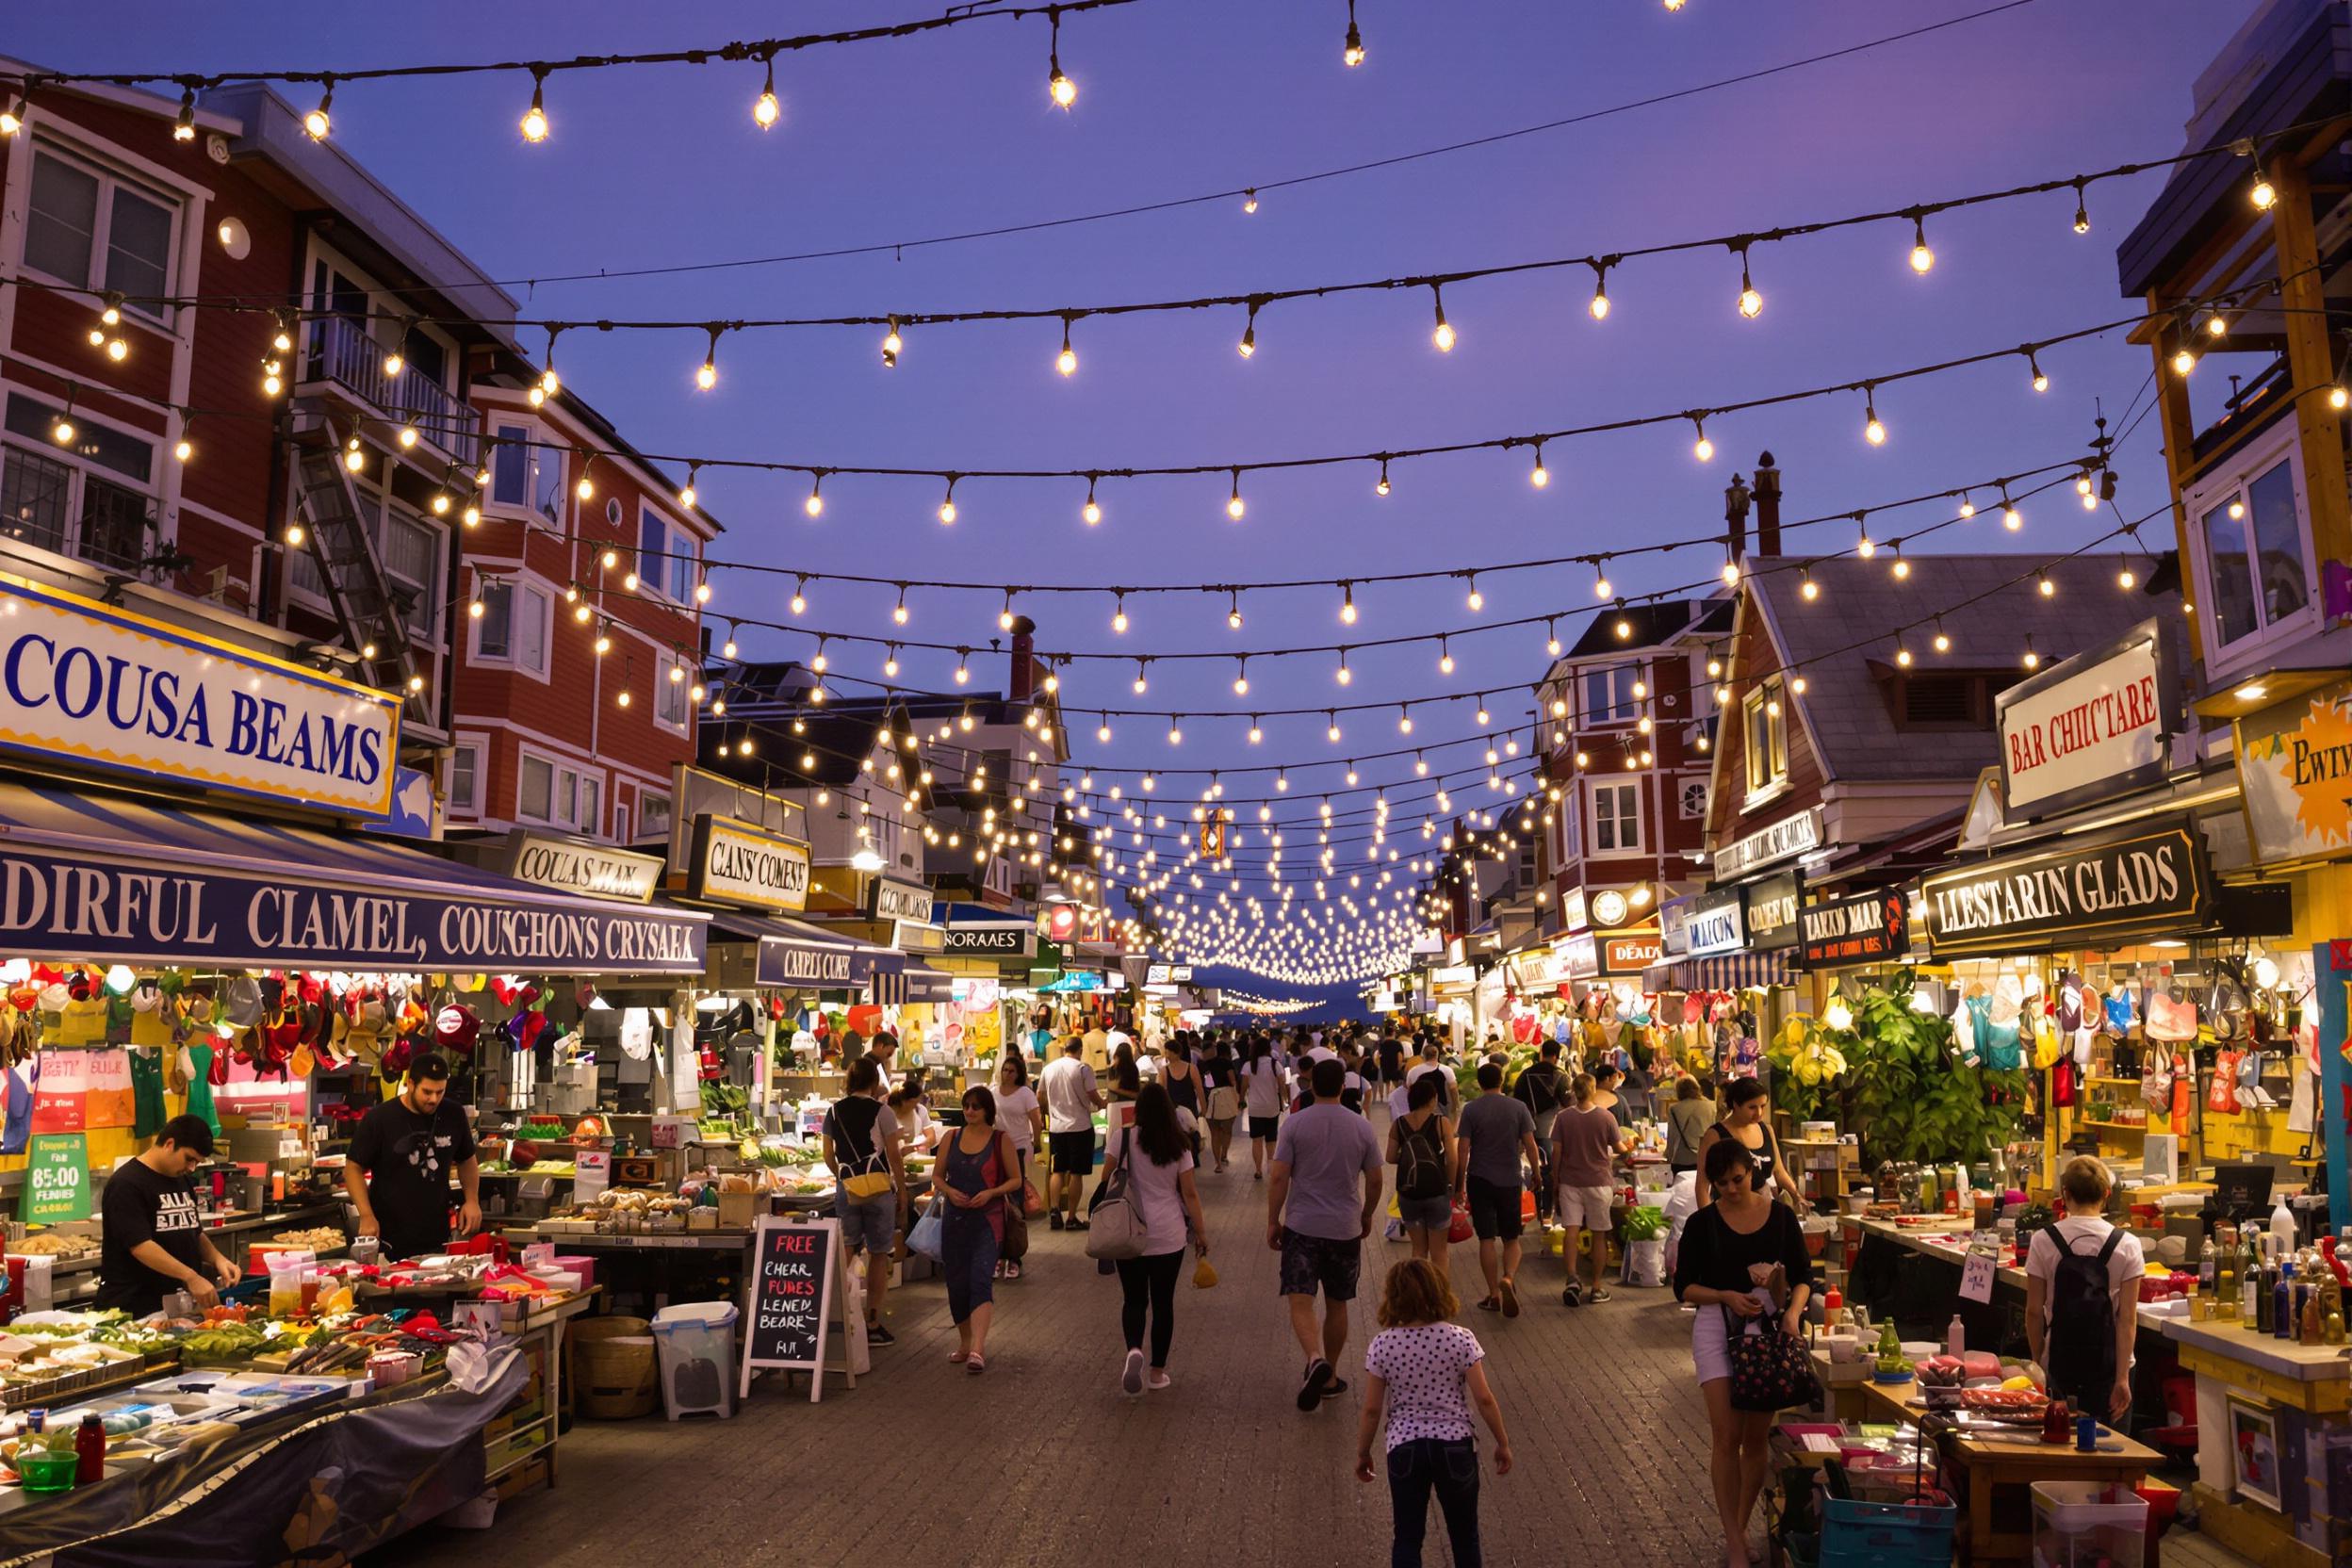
x=669, y=1132
x=57, y=1179
x=791, y=1296
x=539, y=1254
x=1976, y=1274
x=592, y=1172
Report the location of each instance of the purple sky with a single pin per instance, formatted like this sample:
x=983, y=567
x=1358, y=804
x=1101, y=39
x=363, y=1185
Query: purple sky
x=898, y=140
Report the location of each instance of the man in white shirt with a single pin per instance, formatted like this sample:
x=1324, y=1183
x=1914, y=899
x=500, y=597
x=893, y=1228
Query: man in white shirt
x=2086, y=1351
x=1430, y=1062
x=1068, y=1088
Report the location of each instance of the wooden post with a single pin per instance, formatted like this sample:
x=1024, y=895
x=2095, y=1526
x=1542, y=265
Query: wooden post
x=2311, y=360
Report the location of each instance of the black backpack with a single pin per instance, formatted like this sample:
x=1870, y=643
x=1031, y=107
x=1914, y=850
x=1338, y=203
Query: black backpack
x=1420, y=1162
x=2082, y=1342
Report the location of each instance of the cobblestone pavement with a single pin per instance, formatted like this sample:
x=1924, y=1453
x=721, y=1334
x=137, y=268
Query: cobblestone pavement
x=1042, y=1460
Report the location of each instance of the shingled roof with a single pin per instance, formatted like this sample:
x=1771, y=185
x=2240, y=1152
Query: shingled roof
x=1844, y=642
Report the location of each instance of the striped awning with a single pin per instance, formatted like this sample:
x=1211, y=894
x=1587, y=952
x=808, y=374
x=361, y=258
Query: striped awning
x=915, y=983
x=1724, y=972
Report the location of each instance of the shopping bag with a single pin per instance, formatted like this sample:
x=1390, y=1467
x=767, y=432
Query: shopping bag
x=1460, y=1229
x=928, y=1237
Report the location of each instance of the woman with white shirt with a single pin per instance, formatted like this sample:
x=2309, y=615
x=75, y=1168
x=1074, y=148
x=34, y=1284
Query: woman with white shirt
x=1263, y=1087
x=1156, y=1154
x=1022, y=1118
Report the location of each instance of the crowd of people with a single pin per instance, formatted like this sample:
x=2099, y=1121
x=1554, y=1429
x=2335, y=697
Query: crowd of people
x=1329, y=1120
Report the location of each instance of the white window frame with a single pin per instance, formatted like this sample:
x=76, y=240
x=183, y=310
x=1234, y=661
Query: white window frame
x=110, y=178
x=1760, y=702
x=645, y=815
x=546, y=447
x=2257, y=457
x=1634, y=673
x=1630, y=788
x=620, y=821
x=84, y=470
x=666, y=690
x=1683, y=787
x=563, y=799
x=429, y=591
x=476, y=750
x=589, y=819
x=522, y=589
x=680, y=548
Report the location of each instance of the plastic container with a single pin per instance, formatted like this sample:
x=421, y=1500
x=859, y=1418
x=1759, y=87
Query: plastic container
x=696, y=1341
x=1884, y=1535
x=614, y=1369
x=2088, y=1525
x=47, y=1470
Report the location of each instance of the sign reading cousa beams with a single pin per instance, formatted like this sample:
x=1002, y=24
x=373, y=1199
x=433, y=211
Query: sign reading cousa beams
x=99, y=688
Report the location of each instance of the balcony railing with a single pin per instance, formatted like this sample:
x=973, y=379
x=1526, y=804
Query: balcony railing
x=342, y=352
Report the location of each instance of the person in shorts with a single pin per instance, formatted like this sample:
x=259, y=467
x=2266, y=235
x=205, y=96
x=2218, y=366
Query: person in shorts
x=861, y=1141
x=1495, y=1133
x=1262, y=1081
x=1319, y=1209
x=1068, y=1088
x=1586, y=1141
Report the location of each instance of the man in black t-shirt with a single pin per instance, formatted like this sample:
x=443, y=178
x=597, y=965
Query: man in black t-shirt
x=153, y=1241
x=407, y=1147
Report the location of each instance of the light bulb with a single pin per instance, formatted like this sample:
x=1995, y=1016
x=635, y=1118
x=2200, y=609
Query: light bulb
x=814, y=505
x=1250, y=200
x=1603, y=588
x=2012, y=519
x=1923, y=258
x=1731, y=573
x=534, y=121
x=892, y=343
x=1703, y=448
x=1064, y=90
x=765, y=111
x=1751, y=300
x=2127, y=578
x=1347, y=675
x=184, y=449
x=1351, y=53
x=1091, y=512
x=707, y=375
x=726, y=649
x=2264, y=195
x=1903, y=568
x=585, y=488
x=472, y=514
x=1348, y=609
x=2337, y=399
x=1476, y=601
x=1866, y=546
x=1599, y=307
x=407, y=436
x=1873, y=430
x=355, y=459
x=1444, y=335
x=947, y=512
x=294, y=535
x=317, y=121
x=2183, y=361
x=1233, y=507
x=1810, y=588
x=1444, y=663
x=1066, y=361
x=1943, y=641
x=395, y=362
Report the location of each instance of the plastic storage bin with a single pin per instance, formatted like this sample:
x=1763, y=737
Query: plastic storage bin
x=2088, y=1525
x=1884, y=1535
x=696, y=1341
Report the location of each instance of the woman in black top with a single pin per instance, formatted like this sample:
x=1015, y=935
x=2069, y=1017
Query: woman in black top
x=1741, y=1255
x=1744, y=1123
x=1126, y=1077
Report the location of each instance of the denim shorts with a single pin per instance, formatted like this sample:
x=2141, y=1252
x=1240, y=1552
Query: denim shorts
x=1430, y=1214
x=868, y=1224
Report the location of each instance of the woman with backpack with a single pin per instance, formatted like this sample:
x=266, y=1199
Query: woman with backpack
x=2081, y=1298
x=1421, y=1147
x=1157, y=1155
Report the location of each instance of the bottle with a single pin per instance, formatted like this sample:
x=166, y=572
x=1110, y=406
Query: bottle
x=90, y=1451
x=2281, y=1323
x=1956, y=1337
x=2225, y=1251
x=37, y=1420
x=2282, y=1225
x=1832, y=1308
x=2257, y=1303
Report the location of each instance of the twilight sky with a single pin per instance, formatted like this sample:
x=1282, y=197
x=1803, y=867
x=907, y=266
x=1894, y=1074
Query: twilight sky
x=900, y=140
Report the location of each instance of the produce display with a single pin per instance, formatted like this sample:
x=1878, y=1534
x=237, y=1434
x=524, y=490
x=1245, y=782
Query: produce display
x=55, y=1244
x=318, y=1238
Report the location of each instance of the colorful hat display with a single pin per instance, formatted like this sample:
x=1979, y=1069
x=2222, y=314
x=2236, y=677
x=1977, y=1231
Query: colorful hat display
x=455, y=1027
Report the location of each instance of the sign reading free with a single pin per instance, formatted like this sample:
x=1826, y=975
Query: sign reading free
x=101, y=688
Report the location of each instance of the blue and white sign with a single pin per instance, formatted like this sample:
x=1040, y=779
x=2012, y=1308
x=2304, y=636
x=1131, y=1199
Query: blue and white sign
x=86, y=906
x=100, y=688
x=821, y=966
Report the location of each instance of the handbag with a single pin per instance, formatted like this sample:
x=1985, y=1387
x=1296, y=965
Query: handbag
x=1115, y=1224
x=1015, y=1246
x=2169, y=1019
x=1770, y=1369
x=868, y=1182
x=1224, y=1104
x=1458, y=1229
x=928, y=1238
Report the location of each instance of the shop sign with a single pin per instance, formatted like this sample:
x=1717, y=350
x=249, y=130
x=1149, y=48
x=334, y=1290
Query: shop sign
x=2294, y=764
x=913, y=937
x=2088, y=727
x=891, y=899
x=733, y=863
x=580, y=868
x=2150, y=878
x=1609, y=908
x=1579, y=955
x=1872, y=929
x=809, y=965
x=1630, y=952
x=1674, y=926
x=1572, y=910
x=791, y=1296
x=104, y=688
x=1772, y=912
x=1782, y=840
x=57, y=1179
x=1166, y=974
x=991, y=941
x=1715, y=923
x=78, y=905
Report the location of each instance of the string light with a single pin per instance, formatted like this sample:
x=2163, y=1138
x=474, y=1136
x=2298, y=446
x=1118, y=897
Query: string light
x=1233, y=507
x=707, y=374
x=1539, y=476
x=1379, y=486
x=1233, y=611
x=535, y=121
x=2033, y=369
x=1923, y=258
x=765, y=111
x=1751, y=302
x=2011, y=518
x=1346, y=604
x=1091, y=513
x=1943, y=638
x=1599, y=307
x=1444, y=335
x=814, y=505
x=318, y=122
x=1249, y=328
x=1119, y=614
x=1873, y=429
x=1702, y=448
x=1060, y=89
x=1602, y=587
x=2033, y=660
x=2264, y=195
x=1476, y=600
x=2081, y=209
x=1347, y=675
x=947, y=505
x=1351, y=50
x=1066, y=361
x=1250, y=200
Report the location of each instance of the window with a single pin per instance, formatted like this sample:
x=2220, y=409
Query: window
x=463, y=786
x=513, y=626
x=591, y=820
x=552, y=791
x=71, y=499
x=1767, y=737
x=1610, y=695
x=527, y=473
x=653, y=815
x=620, y=824
x=1616, y=818
x=665, y=557
x=670, y=704
x=2256, y=576
x=94, y=230
x=411, y=559
x=1693, y=800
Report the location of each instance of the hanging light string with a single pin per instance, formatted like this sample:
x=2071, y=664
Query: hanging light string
x=757, y=52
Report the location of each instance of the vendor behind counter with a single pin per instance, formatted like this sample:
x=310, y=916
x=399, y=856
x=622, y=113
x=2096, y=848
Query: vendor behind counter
x=153, y=1241
x=406, y=1149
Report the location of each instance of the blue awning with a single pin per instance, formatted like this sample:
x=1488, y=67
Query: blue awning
x=91, y=875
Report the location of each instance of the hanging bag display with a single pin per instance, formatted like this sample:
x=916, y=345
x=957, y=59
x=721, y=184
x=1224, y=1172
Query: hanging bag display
x=2156, y=1080
x=2169, y=1017
x=2221, y=1096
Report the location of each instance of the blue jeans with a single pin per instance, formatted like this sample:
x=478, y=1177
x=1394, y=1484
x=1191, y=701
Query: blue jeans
x=1450, y=1469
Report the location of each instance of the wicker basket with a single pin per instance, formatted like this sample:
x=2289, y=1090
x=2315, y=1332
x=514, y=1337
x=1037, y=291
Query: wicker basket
x=613, y=1367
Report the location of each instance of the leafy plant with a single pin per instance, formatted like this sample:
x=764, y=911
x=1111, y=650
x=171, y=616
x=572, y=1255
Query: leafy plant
x=1645, y=1223
x=1906, y=1090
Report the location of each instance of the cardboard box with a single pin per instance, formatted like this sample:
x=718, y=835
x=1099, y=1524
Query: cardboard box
x=737, y=1210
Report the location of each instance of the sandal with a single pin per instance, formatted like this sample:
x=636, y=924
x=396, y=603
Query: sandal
x=976, y=1364
x=1490, y=1303
x=958, y=1357
x=1012, y=1270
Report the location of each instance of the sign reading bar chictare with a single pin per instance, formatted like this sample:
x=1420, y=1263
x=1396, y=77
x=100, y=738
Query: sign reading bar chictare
x=2144, y=881
x=2090, y=728
x=1872, y=929
x=1791, y=836
x=99, y=688
x=579, y=867
x=1715, y=923
x=733, y=863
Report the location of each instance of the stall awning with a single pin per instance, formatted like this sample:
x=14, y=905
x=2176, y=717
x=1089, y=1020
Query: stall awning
x=916, y=983
x=1726, y=971
x=95, y=876
x=793, y=952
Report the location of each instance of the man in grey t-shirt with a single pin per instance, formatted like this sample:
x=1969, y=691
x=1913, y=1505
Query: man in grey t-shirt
x=1496, y=1132
x=1320, y=1206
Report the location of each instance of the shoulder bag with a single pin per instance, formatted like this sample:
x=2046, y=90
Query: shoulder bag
x=1115, y=1226
x=1770, y=1369
x=868, y=1182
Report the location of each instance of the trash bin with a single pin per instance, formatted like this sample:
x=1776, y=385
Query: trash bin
x=696, y=1344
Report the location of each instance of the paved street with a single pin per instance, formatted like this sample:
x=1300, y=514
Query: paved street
x=1043, y=1460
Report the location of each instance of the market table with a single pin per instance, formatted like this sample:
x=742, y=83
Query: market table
x=2255, y=1391
x=73, y=1281
x=667, y=1253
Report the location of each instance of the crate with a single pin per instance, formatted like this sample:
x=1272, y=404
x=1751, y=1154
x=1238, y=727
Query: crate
x=614, y=1376
x=1884, y=1535
x=2080, y=1524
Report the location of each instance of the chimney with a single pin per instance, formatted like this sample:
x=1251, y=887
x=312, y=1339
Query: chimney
x=1767, y=506
x=1736, y=497
x=1021, y=682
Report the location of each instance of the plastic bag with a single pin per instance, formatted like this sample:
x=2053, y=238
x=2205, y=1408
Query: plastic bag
x=928, y=1237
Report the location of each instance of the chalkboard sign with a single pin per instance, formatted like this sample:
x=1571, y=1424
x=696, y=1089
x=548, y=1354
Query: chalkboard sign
x=794, y=1265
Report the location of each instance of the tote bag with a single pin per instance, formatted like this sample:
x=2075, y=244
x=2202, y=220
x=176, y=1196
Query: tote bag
x=1770, y=1369
x=928, y=1237
x=1115, y=1224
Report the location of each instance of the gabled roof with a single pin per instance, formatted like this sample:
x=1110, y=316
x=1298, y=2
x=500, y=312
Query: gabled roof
x=1844, y=641
x=1652, y=624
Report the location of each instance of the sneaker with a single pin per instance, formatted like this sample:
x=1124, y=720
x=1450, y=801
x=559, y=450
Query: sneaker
x=1336, y=1387
x=1131, y=1376
x=1053, y=1220
x=1599, y=1295
x=1490, y=1303
x=1158, y=1380
x=1311, y=1391
x=877, y=1335
x=1078, y=1224
x=1571, y=1295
